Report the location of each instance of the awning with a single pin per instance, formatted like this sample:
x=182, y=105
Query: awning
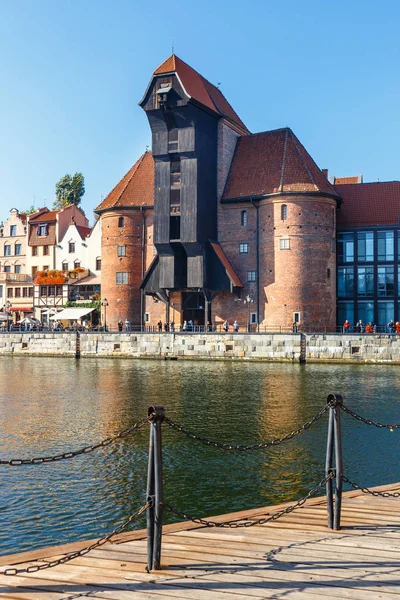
x=89, y=280
x=22, y=308
x=71, y=314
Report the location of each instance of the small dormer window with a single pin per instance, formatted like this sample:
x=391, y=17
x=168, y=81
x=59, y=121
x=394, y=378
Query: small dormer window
x=42, y=230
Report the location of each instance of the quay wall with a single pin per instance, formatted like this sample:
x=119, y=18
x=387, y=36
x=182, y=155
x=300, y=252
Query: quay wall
x=350, y=348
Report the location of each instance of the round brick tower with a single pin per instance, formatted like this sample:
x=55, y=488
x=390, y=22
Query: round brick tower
x=298, y=261
x=122, y=265
x=124, y=216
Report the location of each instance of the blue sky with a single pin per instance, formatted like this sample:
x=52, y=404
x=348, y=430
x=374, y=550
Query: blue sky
x=73, y=71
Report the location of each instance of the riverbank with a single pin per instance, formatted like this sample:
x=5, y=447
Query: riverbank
x=280, y=347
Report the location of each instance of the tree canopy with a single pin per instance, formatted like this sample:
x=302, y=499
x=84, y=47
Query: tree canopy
x=69, y=190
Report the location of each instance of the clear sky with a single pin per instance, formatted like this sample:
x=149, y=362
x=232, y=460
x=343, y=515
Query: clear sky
x=73, y=71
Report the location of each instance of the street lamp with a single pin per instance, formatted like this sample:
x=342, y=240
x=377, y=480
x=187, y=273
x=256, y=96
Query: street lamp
x=105, y=304
x=249, y=303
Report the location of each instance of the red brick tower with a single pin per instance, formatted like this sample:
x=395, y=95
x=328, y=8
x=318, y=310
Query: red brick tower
x=289, y=234
x=125, y=215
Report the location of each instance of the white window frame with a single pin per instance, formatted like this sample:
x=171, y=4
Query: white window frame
x=297, y=317
x=42, y=230
x=253, y=318
x=284, y=244
x=123, y=276
x=251, y=276
x=243, y=248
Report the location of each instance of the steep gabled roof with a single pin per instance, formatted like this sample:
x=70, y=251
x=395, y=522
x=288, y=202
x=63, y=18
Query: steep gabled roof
x=200, y=89
x=274, y=162
x=84, y=232
x=136, y=188
x=44, y=216
x=367, y=204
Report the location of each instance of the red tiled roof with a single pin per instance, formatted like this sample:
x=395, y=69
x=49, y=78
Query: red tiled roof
x=344, y=180
x=84, y=231
x=200, y=89
x=230, y=271
x=369, y=204
x=48, y=215
x=273, y=162
x=136, y=188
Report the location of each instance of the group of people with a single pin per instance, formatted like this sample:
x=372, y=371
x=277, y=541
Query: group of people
x=127, y=325
x=371, y=327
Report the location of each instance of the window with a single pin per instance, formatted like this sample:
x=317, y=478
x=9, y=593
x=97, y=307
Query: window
x=385, y=281
x=71, y=247
x=18, y=292
x=243, y=248
x=296, y=317
x=284, y=244
x=1, y=291
x=34, y=251
x=251, y=275
x=365, y=246
x=173, y=140
x=18, y=249
x=385, y=245
x=30, y=292
x=365, y=312
x=51, y=290
x=345, y=247
x=243, y=218
x=345, y=311
x=284, y=212
x=17, y=268
x=34, y=271
x=59, y=290
x=121, y=250
x=98, y=264
x=122, y=277
x=7, y=250
x=253, y=318
x=77, y=264
x=345, y=281
x=43, y=290
x=147, y=317
x=45, y=267
x=385, y=313
x=42, y=230
x=365, y=281
x=64, y=266
x=7, y=268
x=328, y=273
x=10, y=293
x=121, y=222
x=24, y=292
x=46, y=251
x=13, y=230
x=175, y=228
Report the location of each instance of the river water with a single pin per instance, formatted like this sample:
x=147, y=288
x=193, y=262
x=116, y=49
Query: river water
x=53, y=405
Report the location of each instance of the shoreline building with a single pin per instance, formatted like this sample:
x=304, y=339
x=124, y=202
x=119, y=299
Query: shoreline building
x=219, y=223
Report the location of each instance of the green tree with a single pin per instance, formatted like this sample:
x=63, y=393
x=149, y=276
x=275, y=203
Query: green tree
x=69, y=190
x=29, y=210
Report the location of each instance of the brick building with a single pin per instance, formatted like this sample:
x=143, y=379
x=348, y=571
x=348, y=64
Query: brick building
x=218, y=223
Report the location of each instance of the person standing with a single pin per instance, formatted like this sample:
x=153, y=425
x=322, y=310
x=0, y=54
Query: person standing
x=346, y=326
x=120, y=325
x=225, y=326
x=159, y=325
x=235, y=326
x=127, y=324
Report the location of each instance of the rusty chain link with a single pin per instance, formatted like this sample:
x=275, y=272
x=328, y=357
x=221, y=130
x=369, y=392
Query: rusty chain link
x=366, y=490
x=86, y=450
x=72, y=555
x=243, y=448
x=368, y=421
x=247, y=523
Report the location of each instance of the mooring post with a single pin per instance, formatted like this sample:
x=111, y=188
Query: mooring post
x=338, y=461
x=334, y=462
x=155, y=489
x=329, y=466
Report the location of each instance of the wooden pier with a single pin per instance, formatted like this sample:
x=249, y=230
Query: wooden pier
x=296, y=556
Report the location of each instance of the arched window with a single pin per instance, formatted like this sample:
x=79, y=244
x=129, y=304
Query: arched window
x=121, y=222
x=77, y=263
x=284, y=212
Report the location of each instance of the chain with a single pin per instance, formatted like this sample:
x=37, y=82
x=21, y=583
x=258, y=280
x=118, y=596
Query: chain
x=243, y=448
x=368, y=421
x=366, y=490
x=86, y=450
x=247, y=523
x=72, y=555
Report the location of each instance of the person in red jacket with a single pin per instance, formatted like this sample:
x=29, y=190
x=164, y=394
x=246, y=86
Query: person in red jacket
x=397, y=327
x=369, y=328
x=346, y=326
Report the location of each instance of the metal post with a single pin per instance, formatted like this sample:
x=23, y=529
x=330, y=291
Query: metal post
x=338, y=461
x=334, y=462
x=329, y=468
x=155, y=489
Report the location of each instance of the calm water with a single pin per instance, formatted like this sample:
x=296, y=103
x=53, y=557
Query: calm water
x=51, y=405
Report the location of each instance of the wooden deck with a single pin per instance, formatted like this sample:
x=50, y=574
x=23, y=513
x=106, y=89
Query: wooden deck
x=294, y=557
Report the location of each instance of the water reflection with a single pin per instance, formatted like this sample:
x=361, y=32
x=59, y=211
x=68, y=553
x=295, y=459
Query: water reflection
x=50, y=405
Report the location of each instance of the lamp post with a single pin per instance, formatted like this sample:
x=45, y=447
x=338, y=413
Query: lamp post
x=249, y=302
x=105, y=304
x=7, y=307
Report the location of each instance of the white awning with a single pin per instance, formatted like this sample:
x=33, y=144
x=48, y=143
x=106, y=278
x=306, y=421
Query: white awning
x=71, y=314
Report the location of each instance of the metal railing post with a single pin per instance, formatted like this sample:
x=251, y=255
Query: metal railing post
x=155, y=489
x=334, y=462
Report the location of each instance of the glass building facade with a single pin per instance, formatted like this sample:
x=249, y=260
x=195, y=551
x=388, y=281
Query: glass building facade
x=368, y=275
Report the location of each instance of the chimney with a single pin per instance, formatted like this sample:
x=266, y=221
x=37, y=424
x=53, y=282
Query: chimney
x=325, y=172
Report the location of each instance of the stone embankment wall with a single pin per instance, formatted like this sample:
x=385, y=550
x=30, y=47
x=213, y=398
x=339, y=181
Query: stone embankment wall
x=242, y=346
